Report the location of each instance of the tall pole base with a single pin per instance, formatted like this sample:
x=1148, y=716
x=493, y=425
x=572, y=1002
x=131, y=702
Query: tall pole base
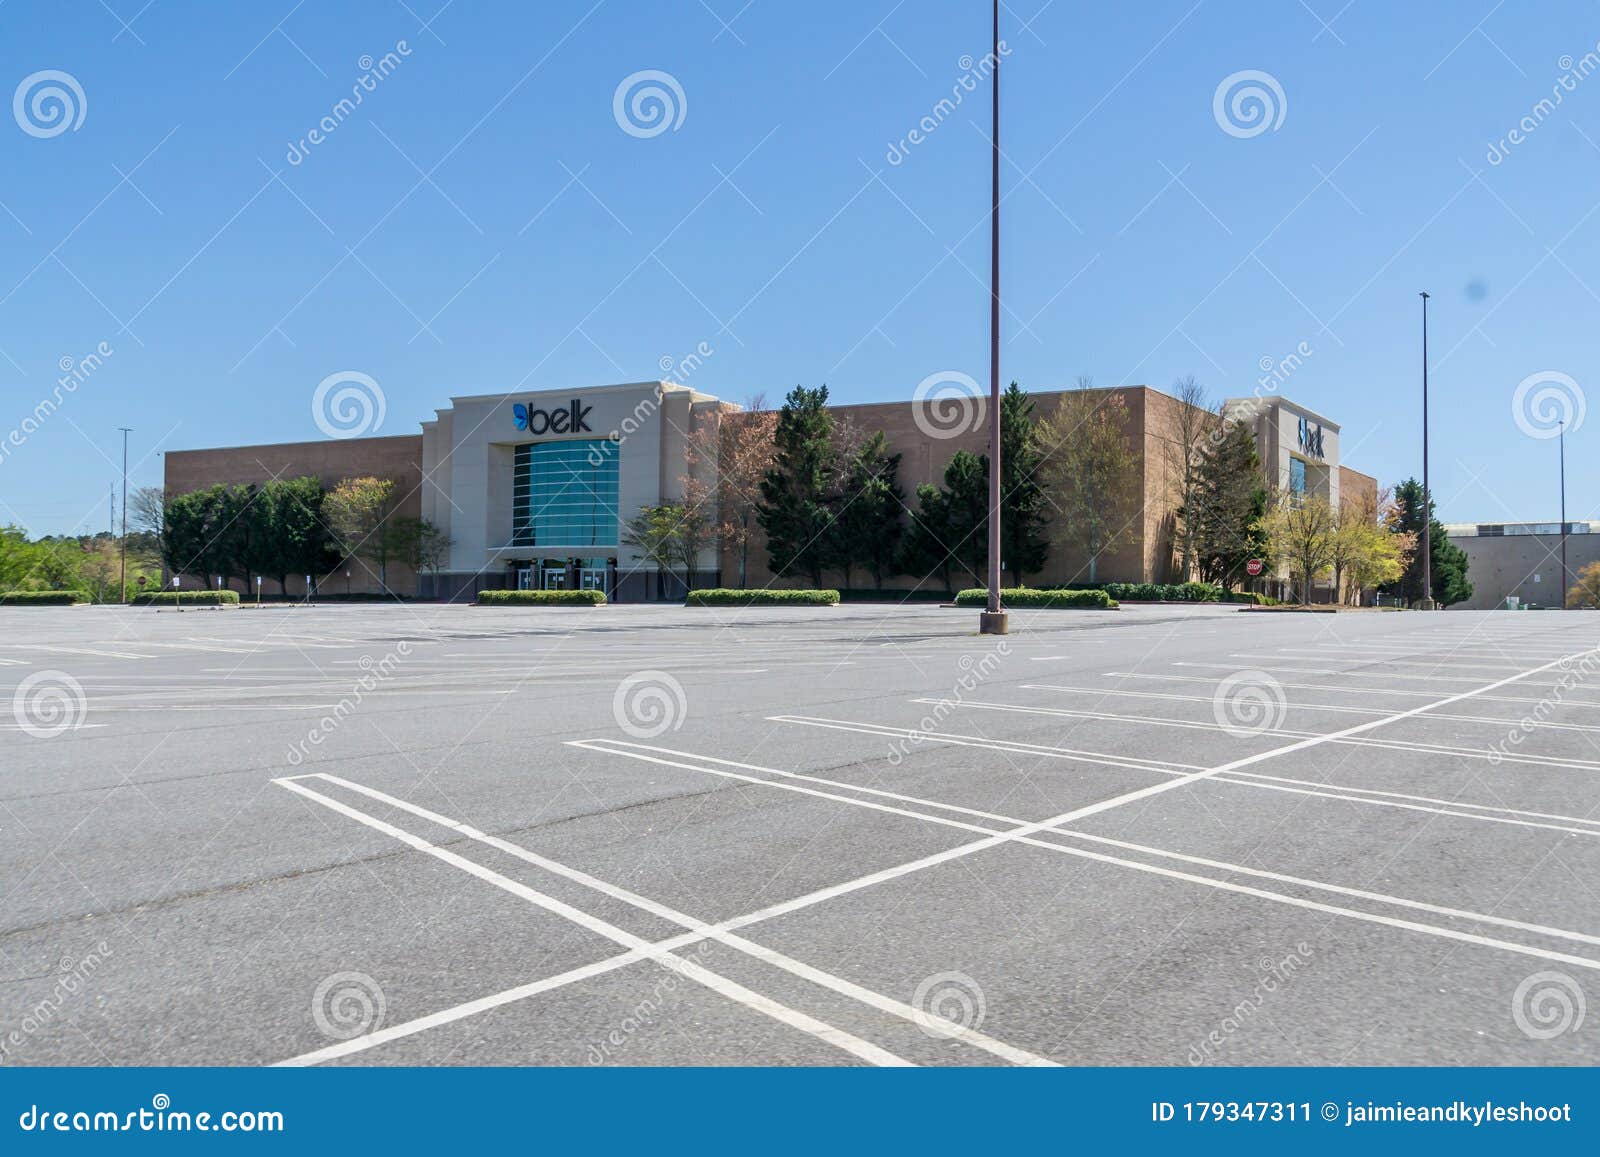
x=993, y=623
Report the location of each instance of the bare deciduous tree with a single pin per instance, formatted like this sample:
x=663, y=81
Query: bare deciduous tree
x=1091, y=473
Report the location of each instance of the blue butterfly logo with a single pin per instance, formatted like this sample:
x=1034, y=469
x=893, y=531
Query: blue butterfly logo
x=520, y=413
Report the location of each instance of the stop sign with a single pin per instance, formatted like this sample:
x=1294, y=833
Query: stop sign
x=1253, y=567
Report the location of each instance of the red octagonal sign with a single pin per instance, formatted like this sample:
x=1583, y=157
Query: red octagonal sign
x=1253, y=567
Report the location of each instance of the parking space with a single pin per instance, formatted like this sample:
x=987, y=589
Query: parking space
x=863, y=835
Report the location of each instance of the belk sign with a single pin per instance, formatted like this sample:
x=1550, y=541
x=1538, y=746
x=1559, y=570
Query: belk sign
x=1311, y=438
x=574, y=419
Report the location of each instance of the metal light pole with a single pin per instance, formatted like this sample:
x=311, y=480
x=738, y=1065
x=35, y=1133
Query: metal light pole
x=1566, y=582
x=993, y=619
x=122, y=581
x=1427, y=495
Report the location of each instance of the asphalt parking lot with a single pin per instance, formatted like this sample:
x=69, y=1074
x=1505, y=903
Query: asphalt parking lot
x=859, y=835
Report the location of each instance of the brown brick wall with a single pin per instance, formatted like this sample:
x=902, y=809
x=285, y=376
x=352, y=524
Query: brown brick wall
x=398, y=458
x=923, y=459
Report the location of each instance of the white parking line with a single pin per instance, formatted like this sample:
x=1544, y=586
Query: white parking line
x=1345, y=708
x=1403, y=800
x=1025, y=833
x=1363, y=690
x=721, y=985
x=74, y=651
x=1439, y=661
x=1345, y=737
x=1411, y=676
x=766, y=955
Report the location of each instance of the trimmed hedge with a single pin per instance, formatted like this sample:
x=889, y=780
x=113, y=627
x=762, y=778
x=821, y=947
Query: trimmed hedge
x=1024, y=597
x=187, y=599
x=1165, y=592
x=42, y=598
x=541, y=598
x=725, y=597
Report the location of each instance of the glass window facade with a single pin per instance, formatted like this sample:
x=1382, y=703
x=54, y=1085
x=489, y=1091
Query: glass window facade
x=564, y=494
x=1297, y=476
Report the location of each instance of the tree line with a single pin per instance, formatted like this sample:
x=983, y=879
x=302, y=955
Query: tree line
x=295, y=526
x=826, y=498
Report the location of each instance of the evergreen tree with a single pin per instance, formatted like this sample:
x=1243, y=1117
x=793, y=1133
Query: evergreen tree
x=1023, y=546
x=923, y=553
x=303, y=544
x=795, y=509
x=1228, y=506
x=966, y=511
x=867, y=531
x=1450, y=583
x=951, y=526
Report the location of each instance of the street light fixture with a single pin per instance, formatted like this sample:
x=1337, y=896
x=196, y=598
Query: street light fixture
x=993, y=620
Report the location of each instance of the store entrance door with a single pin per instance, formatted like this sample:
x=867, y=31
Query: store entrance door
x=524, y=578
x=592, y=578
x=555, y=578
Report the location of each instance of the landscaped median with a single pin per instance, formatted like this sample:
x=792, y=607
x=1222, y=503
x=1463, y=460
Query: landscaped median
x=541, y=598
x=724, y=597
x=1024, y=598
x=187, y=599
x=42, y=598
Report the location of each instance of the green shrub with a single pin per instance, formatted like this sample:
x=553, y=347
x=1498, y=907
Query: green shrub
x=1164, y=592
x=541, y=598
x=723, y=597
x=187, y=599
x=1024, y=597
x=1254, y=598
x=42, y=598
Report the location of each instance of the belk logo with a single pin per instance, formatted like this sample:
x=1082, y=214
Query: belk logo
x=1311, y=438
x=572, y=420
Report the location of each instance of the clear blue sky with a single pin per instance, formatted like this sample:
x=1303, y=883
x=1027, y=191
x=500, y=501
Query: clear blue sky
x=548, y=248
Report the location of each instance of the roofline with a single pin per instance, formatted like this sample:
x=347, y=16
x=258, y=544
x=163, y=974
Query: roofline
x=1281, y=400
